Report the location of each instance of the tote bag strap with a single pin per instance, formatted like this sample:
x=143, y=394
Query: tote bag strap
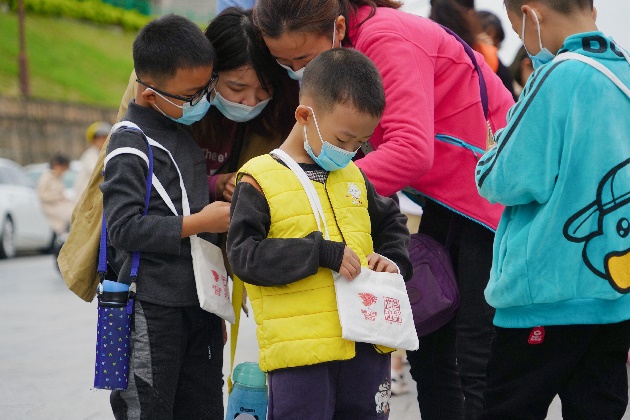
x=597, y=66
x=311, y=193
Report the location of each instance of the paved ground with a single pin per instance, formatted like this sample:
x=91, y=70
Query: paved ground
x=47, y=349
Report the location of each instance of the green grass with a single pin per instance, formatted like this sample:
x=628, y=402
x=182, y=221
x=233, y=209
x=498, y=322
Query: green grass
x=68, y=60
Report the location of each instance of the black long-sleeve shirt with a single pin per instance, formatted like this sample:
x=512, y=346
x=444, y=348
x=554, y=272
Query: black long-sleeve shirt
x=166, y=274
x=264, y=261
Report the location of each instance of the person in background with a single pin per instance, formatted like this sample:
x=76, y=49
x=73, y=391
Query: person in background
x=95, y=135
x=56, y=201
x=521, y=68
x=491, y=25
x=461, y=17
x=560, y=278
x=430, y=137
x=243, y=4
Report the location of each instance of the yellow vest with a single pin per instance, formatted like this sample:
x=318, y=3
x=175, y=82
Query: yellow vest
x=298, y=323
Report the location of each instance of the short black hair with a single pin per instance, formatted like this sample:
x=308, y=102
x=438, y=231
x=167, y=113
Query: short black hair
x=59, y=159
x=170, y=43
x=562, y=6
x=344, y=76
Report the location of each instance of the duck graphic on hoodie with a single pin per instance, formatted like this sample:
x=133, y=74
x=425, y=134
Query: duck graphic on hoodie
x=607, y=249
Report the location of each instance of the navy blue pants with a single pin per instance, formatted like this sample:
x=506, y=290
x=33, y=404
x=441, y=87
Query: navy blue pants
x=175, y=370
x=450, y=366
x=358, y=388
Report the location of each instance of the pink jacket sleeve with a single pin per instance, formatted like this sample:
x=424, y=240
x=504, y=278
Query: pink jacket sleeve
x=404, y=136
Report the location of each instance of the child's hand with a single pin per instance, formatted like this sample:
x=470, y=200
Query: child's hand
x=378, y=263
x=216, y=217
x=350, y=264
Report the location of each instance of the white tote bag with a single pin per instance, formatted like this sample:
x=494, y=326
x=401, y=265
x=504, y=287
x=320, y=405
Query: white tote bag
x=211, y=276
x=373, y=307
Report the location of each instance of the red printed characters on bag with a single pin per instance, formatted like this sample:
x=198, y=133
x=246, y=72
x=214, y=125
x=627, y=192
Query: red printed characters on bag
x=368, y=300
x=392, y=310
x=216, y=276
x=537, y=336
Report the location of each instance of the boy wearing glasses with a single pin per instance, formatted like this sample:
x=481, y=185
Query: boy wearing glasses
x=177, y=347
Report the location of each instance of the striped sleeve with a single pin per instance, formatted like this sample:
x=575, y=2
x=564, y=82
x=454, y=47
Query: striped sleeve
x=524, y=165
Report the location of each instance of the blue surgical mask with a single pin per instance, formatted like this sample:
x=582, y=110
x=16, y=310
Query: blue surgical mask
x=544, y=56
x=238, y=112
x=294, y=74
x=297, y=74
x=190, y=113
x=331, y=157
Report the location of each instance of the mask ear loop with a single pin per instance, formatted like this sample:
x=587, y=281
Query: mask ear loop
x=316, y=125
x=538, y=26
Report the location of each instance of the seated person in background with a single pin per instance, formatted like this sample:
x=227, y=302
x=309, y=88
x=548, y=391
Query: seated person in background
x=56, y=202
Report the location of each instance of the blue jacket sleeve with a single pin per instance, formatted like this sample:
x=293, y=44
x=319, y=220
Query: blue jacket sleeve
x=524, y=165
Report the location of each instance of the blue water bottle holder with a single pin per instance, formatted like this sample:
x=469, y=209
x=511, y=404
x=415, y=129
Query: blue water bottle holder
x=115, y=311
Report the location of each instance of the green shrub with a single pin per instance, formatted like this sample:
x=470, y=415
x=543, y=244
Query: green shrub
x=89, y=10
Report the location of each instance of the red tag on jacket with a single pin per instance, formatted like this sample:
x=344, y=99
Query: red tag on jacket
x=537, y=335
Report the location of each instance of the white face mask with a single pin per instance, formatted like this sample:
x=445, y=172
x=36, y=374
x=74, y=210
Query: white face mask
x=298, y=74
x=238, y=112
x=544, y=56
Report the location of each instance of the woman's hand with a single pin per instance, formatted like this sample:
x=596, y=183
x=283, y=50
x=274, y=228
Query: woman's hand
x=225, y=185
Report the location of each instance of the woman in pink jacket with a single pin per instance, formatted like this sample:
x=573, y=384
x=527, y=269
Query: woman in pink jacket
x=430, y=138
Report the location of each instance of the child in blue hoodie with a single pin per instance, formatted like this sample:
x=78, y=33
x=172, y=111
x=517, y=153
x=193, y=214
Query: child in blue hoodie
x=561, y=266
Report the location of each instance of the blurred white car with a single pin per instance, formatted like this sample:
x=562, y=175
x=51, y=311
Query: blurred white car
x=23, y=226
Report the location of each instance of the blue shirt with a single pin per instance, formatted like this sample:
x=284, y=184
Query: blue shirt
x=562, y=167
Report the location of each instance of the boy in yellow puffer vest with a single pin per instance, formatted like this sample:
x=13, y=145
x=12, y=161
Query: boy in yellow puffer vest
x=276, y=248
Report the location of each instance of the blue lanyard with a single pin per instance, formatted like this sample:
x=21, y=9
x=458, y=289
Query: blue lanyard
x=135, y=257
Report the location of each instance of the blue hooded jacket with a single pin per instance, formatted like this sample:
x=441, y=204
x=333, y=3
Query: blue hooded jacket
x=562, y=167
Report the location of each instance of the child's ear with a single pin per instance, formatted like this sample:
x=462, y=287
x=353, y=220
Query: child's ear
x=148, y=95
x=302, y=114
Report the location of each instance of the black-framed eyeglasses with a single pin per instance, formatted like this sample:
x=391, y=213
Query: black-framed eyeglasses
x=194, y=99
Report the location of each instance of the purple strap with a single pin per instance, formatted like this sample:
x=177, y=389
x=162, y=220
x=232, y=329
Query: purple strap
x=135, y=257
x=482, y=82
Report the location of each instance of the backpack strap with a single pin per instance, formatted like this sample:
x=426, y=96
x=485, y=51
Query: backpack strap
x=483, y=90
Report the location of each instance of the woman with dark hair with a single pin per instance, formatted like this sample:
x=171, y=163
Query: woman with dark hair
x=430, y=137
x=245, y=119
